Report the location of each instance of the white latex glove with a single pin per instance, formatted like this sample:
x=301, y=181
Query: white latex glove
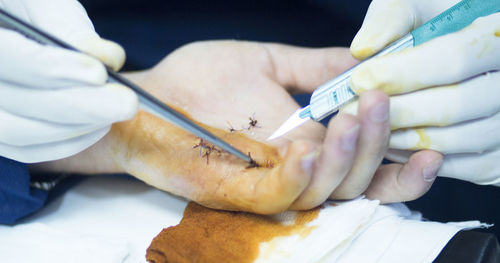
x=441, y=96
x=53, y=102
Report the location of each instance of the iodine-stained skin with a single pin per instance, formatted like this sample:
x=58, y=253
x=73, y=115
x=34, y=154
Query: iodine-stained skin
x=167, y=157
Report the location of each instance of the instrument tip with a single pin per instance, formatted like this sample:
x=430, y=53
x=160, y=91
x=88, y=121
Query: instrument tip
x=300, y=117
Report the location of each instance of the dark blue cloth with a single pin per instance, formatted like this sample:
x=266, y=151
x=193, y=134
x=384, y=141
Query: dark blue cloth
x=17, y=198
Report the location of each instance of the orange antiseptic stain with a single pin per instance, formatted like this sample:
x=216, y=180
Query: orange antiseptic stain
x=174, y=160
x=207, y=235
x=424, y=142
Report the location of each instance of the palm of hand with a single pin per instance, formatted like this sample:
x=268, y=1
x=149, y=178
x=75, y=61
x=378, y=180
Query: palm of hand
x=224, y=84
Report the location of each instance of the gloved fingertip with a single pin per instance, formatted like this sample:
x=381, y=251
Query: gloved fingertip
x=350, y=108
x=385, y=22
x=108, y=52
x=79, y=66
x=125, y=102
x=114, y=56
x=361, y=48
x=361, y=53
x=409, y=139
x=362, y=79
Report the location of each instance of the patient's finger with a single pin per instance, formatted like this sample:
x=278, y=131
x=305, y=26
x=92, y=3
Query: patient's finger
x=373, y=141
x=333, y=163
x=265, y=190
x=399, y=183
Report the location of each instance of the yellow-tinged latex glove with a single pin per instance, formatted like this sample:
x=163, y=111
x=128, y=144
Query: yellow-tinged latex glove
x=389, y=20
x=442, y=97
x=55, y=102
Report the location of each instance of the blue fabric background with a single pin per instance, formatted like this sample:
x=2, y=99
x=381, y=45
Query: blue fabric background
x=17, y=198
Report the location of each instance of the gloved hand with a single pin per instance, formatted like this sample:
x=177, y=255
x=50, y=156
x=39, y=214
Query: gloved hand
x=454, y=102
x=54, y=102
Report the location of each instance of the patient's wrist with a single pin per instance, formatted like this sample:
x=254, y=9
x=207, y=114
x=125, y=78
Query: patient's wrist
x=135, y=76
x=97, y=159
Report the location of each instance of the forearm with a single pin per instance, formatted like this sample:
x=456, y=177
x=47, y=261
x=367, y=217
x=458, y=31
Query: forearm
x=97, y=159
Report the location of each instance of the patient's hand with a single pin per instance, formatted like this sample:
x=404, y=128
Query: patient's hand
x=240, y=91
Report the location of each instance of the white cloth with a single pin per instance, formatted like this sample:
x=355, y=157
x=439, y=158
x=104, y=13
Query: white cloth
x=35, y=242
x=117, y=219
x=364, y=231
x=334, y=228
x=396, y=234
